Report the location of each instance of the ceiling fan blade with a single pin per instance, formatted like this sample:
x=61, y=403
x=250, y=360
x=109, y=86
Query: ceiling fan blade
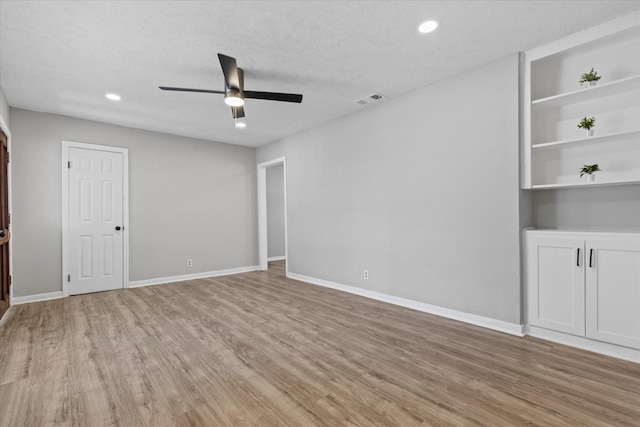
x=273, y=96
x=237, y=112
x=230, y=71
x=185, y=89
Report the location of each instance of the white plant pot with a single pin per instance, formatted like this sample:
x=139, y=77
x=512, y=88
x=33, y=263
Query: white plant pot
x=591, y=177
x=592, y=83
x=589, y=132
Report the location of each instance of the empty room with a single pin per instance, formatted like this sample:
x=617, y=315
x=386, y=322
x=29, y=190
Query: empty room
x=320, y=213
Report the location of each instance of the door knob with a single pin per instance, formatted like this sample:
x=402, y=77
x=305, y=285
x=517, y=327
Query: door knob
x=1, y=233
x=118, y=228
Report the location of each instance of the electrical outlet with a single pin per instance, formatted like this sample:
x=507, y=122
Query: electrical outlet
x=189, y=263
x=366, y=274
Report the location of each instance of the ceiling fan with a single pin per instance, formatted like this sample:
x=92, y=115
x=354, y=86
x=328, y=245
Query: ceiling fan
x=234, y=93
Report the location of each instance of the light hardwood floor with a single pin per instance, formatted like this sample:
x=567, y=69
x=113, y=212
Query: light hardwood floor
x=257, y=349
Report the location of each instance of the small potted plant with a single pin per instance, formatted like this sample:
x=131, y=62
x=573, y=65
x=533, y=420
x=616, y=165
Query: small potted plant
x=590, y=171
x=587, y=123
x=590, y=78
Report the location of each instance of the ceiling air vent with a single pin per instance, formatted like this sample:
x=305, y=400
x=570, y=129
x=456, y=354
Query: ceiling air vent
x=370, y=99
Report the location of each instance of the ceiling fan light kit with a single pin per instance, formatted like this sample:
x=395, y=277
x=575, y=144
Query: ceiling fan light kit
x=234, y=93
x=234, y=99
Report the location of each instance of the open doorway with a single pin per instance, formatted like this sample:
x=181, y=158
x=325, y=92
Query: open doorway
x=272, y=215
x=275, y=213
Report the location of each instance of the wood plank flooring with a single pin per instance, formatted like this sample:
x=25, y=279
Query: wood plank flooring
x=257, y=349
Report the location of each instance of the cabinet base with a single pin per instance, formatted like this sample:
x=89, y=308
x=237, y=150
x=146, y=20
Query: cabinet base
x=612, y=350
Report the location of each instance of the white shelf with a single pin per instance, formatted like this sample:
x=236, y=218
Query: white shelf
x=584, y=94
x=588, y=139
x=583, y=184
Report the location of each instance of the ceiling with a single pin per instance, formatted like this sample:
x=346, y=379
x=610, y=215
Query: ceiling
x=62, y=57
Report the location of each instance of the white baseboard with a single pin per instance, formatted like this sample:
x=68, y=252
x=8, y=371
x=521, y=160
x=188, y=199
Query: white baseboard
x=36, y=298
x=276, y=258
x=184, y=277
x=485, y=322
x=584, y=343
x=139, y=283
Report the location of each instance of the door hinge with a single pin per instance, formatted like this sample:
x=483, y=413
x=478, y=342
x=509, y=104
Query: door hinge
x=9, y=218
x=69, y=165
x=10, y=281
x=8, y=157
x=68, y=277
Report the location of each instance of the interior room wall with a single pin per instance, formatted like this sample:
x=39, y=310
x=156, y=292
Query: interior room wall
x=275, y=211
x=615, y=208
x=422, y=191
x=189, y=199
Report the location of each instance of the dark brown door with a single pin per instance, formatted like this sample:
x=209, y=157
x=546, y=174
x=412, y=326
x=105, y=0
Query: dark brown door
x=5, y=279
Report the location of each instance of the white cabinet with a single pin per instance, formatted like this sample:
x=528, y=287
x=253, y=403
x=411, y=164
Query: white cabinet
x=585, y=284
x=554, y=102
x=613, y=291
x=556, y=283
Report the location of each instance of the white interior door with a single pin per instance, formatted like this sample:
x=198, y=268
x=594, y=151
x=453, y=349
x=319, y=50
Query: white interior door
x=96, y=220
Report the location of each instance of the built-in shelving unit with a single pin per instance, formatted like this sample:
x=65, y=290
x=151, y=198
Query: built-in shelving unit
x=554, y=102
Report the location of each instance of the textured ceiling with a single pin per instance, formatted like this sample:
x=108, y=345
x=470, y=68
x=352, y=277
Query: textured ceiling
x=62, y=57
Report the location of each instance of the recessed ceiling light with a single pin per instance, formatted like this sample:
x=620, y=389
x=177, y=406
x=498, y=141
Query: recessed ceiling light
x=241, y=125
x=113, y=96
x=428, y=26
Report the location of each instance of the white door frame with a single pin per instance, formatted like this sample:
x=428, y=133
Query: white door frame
x=65, y=208
x=262, y=212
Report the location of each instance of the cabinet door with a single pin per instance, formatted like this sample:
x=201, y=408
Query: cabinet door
x=555, y=283
x=613, y=291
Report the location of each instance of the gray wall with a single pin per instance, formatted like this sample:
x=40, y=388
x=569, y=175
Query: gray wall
x=614, y=208
x=189, y=198
x=421, y=190
x=4, y=108
x=275, y=211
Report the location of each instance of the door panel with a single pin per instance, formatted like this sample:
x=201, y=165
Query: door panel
x=95, y=210
x=613, y=291
x=555, y=282
x=5, y=278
